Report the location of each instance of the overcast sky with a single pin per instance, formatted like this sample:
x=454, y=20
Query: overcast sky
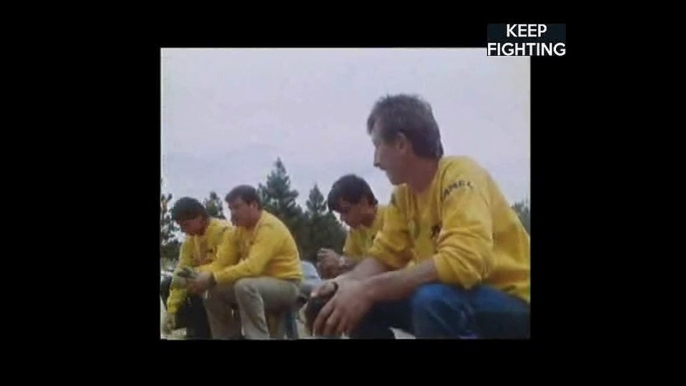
x=228, y=114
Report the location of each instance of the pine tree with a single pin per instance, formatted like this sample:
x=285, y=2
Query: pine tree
x=214, y=206
x=279, y=199
x=322, y=230
x=524, y=213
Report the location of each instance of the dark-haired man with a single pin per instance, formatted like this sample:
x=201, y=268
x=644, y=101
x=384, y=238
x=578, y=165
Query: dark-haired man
x=257, y=269
x=470, y=277
x=353, y=199
x=203, y=236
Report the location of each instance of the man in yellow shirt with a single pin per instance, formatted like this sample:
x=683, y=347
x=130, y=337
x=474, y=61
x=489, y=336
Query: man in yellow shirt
x=352, y=198
x=203, y=235
x=470, y=277
x=257, y=269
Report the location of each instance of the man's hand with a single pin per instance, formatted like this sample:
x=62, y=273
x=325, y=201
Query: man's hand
x=178, y=282
x=201, y=283
x=319, y=296
x=206, y=259
x=346, y=308
x=328, y=263
x=327, y=257
x=326, y=288
x=326, y=253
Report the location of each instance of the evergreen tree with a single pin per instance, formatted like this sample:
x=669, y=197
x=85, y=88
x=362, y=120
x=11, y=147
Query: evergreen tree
x=214, y=206
x=524, y=213
x=323, y=230
x=278, y=198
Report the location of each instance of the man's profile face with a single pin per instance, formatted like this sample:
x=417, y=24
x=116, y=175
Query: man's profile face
x=387, y=157
x=192, y=227
x=351, y=214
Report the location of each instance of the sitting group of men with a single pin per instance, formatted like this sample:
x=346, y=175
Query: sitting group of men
x=447, y=257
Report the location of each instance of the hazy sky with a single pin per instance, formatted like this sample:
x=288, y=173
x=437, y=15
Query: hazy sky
x=228, y=114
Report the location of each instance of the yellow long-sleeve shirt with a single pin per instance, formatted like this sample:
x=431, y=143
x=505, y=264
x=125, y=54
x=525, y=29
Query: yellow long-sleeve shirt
x=197, y=251
x=462, y=222
x=358, y=241
x=268, y=249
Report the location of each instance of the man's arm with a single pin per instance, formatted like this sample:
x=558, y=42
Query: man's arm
x=178, y=294
x=391, y=249
x=227, y=253
x=464, y=245
x=264, y=248
x=347, y=264
x=352, y=252
x=366, y=268
x=400, y=284
x=350, y=248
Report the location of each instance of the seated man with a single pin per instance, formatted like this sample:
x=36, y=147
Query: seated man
x=353, y=199
x=257, y=269
x=470, y=278
x=203, y=235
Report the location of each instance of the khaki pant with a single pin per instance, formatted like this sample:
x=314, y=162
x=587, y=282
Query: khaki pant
x=254, y=297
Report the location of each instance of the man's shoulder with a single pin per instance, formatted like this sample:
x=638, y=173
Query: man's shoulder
x=459, y=174
x=222, y=222
x=218, y=228
x=187, y=240
x=270, y=221
x=398, y=196
x=220, y=225
x=459, y=164
x=454, y=169
x=380, y=216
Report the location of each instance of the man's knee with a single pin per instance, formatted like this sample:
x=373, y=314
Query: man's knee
x=214, y=299
x=440, y=310
x=430, y=297
x=271, y=289
x=480, y=310
x=246, y=287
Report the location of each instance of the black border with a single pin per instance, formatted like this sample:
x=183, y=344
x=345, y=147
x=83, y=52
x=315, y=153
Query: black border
x=139, y=151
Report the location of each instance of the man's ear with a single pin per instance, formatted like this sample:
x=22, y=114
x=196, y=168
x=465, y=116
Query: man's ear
x=402, y=143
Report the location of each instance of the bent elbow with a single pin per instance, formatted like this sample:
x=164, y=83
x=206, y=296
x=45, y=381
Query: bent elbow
x=467, y=268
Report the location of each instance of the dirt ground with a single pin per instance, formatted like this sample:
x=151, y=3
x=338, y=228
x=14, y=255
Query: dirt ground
x=302, y=331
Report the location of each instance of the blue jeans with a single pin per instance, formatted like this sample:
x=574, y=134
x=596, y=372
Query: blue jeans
x=449, y=312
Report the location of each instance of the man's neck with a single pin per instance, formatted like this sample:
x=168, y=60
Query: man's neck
x=254, y=222
x=421, y=174
x=205, y=226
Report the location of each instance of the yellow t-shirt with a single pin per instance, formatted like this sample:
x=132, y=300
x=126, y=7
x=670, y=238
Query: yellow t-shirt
x=462, y=222
x=197, y=251
x=358, y=241
x=268, y=249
